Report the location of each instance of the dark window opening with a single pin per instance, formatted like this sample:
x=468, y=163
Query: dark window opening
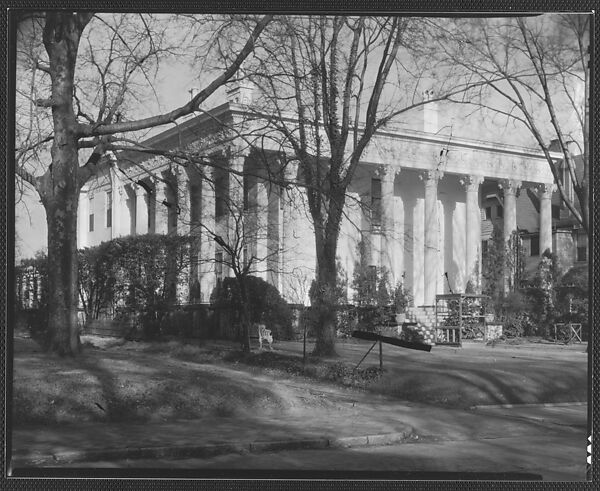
x=500, y=212
x=221, y=193
x=535, y=245
x=246, y=192
x=488, y=213
x=219, y=264
x=109, y=209
x=91, y=222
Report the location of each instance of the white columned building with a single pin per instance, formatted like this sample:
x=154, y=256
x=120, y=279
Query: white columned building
x=432, y=211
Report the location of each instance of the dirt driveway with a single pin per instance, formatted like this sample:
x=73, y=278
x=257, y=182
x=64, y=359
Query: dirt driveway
x=475, y=374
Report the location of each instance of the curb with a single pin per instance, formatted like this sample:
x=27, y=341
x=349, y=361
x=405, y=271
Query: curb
x=516, y=406
x=208, y=450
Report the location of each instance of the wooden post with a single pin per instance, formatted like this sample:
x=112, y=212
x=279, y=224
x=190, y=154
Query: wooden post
x=460, y=320
x=304, y=345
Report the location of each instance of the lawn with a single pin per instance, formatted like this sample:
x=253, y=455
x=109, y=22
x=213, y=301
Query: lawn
x=134, y=381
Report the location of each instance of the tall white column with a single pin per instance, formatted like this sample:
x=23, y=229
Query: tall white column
x=161, y=215
x=472, y=184
x=365, y=228
x=545, y=194
x=115, y=219
x=83, y=218
x=262, y=228
x=195, y=203
x=273, y=218
x=388, y=222
x=183, y=201
x=511, y=188
x=141, y=210
x=235, y=220
x=290, y=174
x=431, y=236
x=207, y=243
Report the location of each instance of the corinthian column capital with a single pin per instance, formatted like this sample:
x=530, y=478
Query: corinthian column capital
x=387, y=172
x=432, y=175
x=510, y=186
x=546, y=189
x=471, y=182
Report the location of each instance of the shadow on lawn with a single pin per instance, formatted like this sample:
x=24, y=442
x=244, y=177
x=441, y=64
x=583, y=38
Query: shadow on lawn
x=441, y=382
x=112, y=406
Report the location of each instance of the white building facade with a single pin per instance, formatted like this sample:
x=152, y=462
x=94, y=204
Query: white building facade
x=417, y=198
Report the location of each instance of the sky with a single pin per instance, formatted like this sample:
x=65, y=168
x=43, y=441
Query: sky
x=30, y=219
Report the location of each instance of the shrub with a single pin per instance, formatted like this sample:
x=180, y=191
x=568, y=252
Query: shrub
x=512, y=312
x=572, y=298
x=133, y=274
x=265, y=304
x=32, y=307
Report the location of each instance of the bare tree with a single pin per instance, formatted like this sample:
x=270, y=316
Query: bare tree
x=328, y=84
x=246, y=241
x=83, y=68
x=534, y=71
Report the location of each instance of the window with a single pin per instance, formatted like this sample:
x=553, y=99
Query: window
x=582, y=247
x=535, y=245
x=246, y=192
x=499, y=212
x=221, y=193
x=376, y=202
x=91, y=217
x=109, y=209
x=488, y=213
x=219, y=265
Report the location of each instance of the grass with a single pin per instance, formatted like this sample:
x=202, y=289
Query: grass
x=135, y=381
x=120, y=384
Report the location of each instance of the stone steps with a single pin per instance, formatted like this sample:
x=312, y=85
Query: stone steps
x=425, y=319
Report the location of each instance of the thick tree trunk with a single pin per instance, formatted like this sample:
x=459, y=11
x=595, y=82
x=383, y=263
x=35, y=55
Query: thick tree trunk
x=325, y=300
x=63, y=333
x=59, y=187
x=245, y=315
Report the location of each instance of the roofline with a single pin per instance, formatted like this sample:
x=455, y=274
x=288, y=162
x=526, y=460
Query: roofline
x=220, y=113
